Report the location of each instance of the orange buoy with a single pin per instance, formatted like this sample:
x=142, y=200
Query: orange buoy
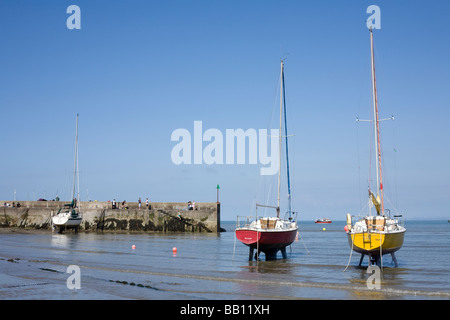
x=133, y=247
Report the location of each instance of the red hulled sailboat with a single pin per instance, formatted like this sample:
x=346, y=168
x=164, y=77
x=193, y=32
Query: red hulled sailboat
x=271, y=234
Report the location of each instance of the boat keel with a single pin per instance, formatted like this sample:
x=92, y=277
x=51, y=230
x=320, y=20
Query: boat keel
x=376, y=259
x=270, y=254
x=394, y=259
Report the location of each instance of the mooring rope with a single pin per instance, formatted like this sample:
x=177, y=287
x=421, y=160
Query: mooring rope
x=351, y=251
x=381, y=254
x=234, y=246
x=303, y=242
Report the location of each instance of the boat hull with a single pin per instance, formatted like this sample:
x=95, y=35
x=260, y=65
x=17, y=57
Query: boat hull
x=66, y=220
x=264, y=240
x=376, y=243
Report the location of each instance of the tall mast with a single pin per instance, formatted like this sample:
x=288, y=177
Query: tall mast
x=279, y=137
x=376, y=127
x=287, y=149
x=75, y=159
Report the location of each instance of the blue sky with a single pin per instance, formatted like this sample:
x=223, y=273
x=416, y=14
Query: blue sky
x=138, y=70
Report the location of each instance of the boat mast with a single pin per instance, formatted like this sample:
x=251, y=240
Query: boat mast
x=75, y=159
x=287, y=150
x=279, y=137
x=376, y=127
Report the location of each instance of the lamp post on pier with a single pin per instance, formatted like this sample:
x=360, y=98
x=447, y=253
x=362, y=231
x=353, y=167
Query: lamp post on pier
x=218, y=187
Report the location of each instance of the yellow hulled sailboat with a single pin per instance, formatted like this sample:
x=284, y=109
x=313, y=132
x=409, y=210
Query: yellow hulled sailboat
x=375, y=234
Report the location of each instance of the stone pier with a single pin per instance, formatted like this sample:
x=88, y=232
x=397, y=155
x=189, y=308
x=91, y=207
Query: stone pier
x=100, y=216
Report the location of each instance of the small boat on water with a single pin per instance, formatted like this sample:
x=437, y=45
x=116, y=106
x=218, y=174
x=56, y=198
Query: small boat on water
x=272, y=234
x=323, y=220
x=69, y=216
x=377, y=234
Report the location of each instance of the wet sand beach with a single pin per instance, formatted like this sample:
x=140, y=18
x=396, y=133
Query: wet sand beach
x=35, y=265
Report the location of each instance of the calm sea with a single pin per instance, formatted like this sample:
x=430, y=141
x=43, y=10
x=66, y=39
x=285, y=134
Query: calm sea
x=34, y=265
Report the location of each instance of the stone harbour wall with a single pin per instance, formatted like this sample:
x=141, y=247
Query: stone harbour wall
x=99, y=216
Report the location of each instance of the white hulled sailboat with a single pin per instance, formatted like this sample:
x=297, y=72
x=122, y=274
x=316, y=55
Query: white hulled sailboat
x=69, y=216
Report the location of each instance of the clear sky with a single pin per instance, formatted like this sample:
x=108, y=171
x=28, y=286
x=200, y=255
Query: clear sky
x=138, y=70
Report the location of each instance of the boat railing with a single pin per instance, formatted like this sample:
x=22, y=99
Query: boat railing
x=246, y=221
x=397, y=218
x=354, y=219
x=243, y=221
